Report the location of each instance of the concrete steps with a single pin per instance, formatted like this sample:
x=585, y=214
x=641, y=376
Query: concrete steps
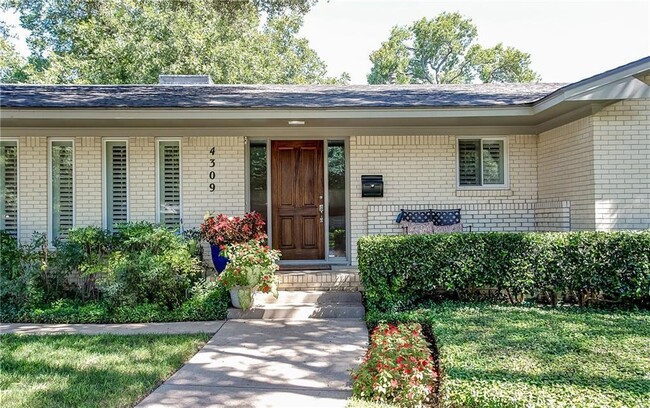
x=300, y=305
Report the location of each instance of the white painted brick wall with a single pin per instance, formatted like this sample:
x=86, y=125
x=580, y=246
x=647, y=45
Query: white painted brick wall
x=622, y=166
x=420, y=172
x=32, y=165
x=553, y=216
x=566, y=169
x=142, y=179
x=228, y=198
x=88, y=181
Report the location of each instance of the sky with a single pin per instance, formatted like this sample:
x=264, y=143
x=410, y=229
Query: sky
x=568, y=40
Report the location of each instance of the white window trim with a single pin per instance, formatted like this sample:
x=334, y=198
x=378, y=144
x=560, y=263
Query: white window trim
x=105, y=184
x=14, y=140
x=180, y=176
x=506, y=163
x=50, y=191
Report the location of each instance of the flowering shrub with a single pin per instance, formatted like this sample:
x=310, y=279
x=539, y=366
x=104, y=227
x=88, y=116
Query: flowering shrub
x=398, y=367
x=251, y=264
x=223, y=230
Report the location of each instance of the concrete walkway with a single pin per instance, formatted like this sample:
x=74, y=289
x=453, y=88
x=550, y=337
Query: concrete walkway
x=269, y=363
x=248, y=363
x=131, y=328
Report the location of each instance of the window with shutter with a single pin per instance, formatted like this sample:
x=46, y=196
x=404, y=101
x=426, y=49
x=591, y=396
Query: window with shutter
x=116, y=184
x=9, y=187
x=481, y=162
x=62, y=192
x=169, y=183
x=493, y=162
x=469, y=162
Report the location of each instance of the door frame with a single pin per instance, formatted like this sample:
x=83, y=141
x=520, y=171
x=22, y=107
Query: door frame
x=269, y=208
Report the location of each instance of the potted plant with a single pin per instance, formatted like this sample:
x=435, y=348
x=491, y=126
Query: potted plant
x=251, y=267
x=221, y=230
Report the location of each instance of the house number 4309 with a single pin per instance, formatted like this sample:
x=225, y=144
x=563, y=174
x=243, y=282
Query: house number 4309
x=212, y=175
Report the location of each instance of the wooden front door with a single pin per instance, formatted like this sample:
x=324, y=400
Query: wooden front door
x=297, y=198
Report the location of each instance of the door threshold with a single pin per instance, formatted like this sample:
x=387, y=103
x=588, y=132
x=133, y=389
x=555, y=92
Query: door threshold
x=305, y=267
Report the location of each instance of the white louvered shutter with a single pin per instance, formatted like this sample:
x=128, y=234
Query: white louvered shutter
x=62, y=189
x=9, y=187
x=469, y=162
x=493, y=162
x=116, y=183
x=169, y=184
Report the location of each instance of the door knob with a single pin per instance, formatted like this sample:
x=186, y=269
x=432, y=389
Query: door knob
x=320, y=208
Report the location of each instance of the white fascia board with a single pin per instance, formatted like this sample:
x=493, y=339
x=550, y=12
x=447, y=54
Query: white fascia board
x=261, y=114
x=572, y=91
x=626, y=88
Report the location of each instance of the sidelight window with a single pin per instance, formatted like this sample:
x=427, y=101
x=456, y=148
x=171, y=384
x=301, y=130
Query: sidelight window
x=9, y=187
x=169, y=183
x=116, y=180
x=336, y=199
x=62, y=189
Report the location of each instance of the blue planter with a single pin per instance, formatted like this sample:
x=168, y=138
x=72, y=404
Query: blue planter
x=218, y=260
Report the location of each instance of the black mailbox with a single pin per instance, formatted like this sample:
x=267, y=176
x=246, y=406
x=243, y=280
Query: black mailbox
x=372, y=186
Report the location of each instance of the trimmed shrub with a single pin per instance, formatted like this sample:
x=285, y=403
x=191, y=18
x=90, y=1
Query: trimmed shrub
x=399, y=272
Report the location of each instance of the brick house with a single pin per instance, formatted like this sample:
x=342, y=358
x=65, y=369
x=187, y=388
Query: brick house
x=512, y=157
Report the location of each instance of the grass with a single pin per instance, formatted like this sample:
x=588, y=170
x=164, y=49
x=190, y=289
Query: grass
x=506, y=356
x=359, y=403
x=88, y=371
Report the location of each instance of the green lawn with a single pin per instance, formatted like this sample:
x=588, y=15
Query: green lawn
x=503, y=356
x=88, y=371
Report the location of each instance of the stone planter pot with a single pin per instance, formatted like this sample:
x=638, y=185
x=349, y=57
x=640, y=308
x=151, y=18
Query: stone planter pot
x=242, y=297
x=218, y=261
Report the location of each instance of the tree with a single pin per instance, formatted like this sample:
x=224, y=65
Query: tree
x=13, y=67
x=443, y=51
x=133, y=41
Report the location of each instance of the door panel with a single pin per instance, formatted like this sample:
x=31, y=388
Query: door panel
x=297, y=194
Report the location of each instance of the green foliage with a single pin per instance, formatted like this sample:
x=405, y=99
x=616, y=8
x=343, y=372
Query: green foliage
x=500, y=64
x=208, y=301
x=107, y=371
x=251, y=264
x=361, y=403
x=26, y=276
x=143, y=273
x=443, y=51
x=401, y=271
x=83, y=254
x=398, y=367
x=133, y=41
x=151, y=265
x=513, y=356
x=67, y=311
x=13, y=67
x=391, y=62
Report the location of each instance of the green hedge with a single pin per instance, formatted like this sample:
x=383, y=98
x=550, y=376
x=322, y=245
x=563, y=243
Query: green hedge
x=399, y=272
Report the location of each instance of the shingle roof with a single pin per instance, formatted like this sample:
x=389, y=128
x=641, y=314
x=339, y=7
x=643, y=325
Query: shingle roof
x=270, y=96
